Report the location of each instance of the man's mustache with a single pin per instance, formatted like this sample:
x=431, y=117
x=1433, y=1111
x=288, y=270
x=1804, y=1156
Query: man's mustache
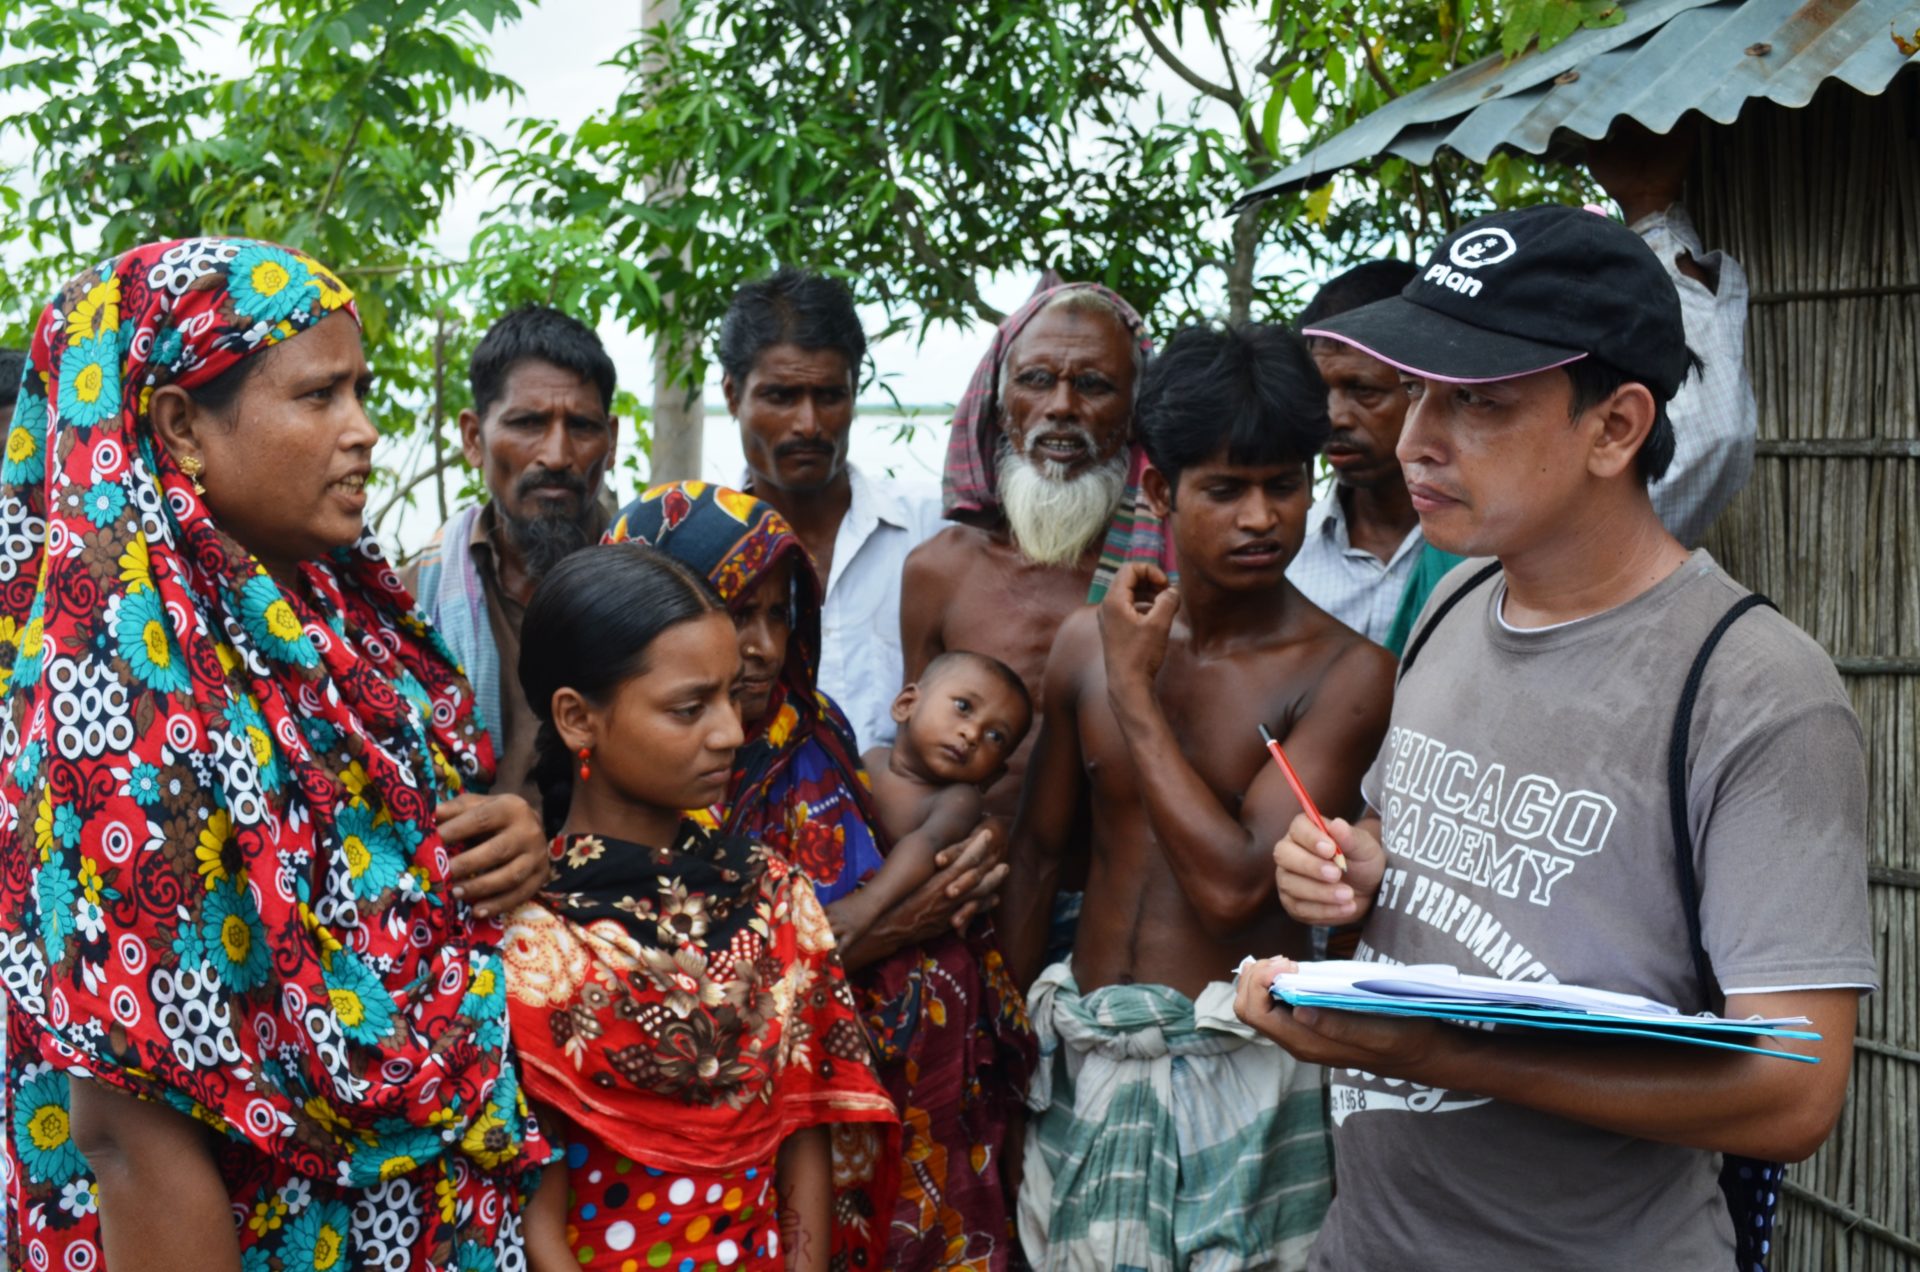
x=787, y=450
x=533, y=478
x=1036, y=434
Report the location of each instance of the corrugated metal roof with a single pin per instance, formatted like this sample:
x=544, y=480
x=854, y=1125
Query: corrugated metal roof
x=1665, y=58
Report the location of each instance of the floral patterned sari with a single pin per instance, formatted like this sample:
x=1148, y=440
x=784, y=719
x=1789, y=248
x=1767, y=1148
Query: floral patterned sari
x=221, y=883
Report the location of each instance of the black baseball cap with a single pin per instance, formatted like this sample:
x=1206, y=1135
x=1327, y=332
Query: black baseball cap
x=1524, y=291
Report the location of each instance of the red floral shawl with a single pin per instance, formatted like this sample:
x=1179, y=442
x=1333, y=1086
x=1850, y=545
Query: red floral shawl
x=684, y=1004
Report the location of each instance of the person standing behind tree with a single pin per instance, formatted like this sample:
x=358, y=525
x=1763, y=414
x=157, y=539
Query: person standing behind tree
x=542, y=434
x=791, y=348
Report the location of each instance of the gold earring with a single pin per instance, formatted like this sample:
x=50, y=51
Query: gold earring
x=192, y=467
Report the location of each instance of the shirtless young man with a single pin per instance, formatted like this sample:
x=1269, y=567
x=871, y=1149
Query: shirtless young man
x=1151, y=742
x=1065, y=410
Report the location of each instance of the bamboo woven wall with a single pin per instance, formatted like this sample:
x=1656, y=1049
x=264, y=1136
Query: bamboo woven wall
x=1822, y=206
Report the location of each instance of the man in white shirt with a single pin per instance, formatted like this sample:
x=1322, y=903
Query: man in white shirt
x=791, y=348
x=1714, y=417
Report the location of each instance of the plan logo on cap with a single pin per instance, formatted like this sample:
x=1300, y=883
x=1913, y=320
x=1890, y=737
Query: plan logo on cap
x=1585, y=287
x=1487, y=246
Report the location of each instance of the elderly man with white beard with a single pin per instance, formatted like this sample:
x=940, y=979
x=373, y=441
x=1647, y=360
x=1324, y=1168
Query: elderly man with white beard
x=1043, y=477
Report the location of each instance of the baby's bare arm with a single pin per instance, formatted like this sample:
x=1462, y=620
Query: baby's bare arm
x=163, y=1204
x=952, y=815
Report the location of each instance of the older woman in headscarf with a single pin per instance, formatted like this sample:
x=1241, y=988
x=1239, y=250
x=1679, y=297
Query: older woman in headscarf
x=953, y=1045
x=229, y=770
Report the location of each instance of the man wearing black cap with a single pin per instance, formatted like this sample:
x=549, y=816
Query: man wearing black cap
x=1526, y=810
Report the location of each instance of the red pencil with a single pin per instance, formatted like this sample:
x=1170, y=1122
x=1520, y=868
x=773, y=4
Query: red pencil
x=1300, y=793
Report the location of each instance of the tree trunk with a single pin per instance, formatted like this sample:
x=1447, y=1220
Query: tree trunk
x=679, y=413
x=1246, y=249
x=437, y=425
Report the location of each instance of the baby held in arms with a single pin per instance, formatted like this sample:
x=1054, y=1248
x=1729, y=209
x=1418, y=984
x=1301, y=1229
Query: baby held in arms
x=958, y=724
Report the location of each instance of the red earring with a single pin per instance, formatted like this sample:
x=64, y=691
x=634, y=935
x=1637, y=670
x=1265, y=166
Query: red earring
x=585, y=752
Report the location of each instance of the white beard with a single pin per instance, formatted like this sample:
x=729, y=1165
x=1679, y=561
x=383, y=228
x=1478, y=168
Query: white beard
x=1053, y=517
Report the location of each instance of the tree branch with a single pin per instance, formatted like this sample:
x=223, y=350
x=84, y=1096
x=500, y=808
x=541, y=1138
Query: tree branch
x=905, y=206
x=353, y=140
x=1200, y=84
x=407, y=487
x=1372, y=57
x=1268, y=66
x=1226, y=54
x=408, y=267
x=437, y=419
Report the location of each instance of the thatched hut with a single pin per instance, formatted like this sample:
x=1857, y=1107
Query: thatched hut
x=1809, y=173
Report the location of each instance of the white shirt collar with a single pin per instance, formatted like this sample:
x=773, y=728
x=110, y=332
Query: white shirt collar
x=1328, y=517
x=881, y=498
x=870, y=499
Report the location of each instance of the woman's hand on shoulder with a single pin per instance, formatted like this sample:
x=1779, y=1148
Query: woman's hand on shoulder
x=500, y=855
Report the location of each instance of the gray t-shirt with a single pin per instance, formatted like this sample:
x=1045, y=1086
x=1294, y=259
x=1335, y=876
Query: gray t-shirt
x=1523, y=795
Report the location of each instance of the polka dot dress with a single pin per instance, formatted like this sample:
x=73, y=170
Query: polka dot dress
x=625, y=1217
x=1752, y=1189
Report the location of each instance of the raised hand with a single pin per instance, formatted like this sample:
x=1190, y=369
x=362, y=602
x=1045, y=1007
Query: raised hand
x=1136, y=620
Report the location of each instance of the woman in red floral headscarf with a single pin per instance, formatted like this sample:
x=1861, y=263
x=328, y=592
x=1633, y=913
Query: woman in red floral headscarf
x=227, y=767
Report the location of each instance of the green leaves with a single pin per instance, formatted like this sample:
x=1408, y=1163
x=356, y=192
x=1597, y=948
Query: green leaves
x=920, y=149
x=1550, y=21
x=914, y=148
x=336, y=140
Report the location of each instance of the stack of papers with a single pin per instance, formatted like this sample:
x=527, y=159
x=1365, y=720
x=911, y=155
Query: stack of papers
x=1445, y=993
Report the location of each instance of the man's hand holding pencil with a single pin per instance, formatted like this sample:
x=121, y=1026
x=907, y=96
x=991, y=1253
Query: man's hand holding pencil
x=1311, y=885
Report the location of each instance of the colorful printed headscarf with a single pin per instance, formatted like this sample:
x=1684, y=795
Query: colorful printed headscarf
x=798, y=785
x=222, y=887
x=970, y=483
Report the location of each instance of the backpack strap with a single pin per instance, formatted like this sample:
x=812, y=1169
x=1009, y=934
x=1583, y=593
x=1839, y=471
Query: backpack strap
x=1677, y=786
x=1440, y=611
